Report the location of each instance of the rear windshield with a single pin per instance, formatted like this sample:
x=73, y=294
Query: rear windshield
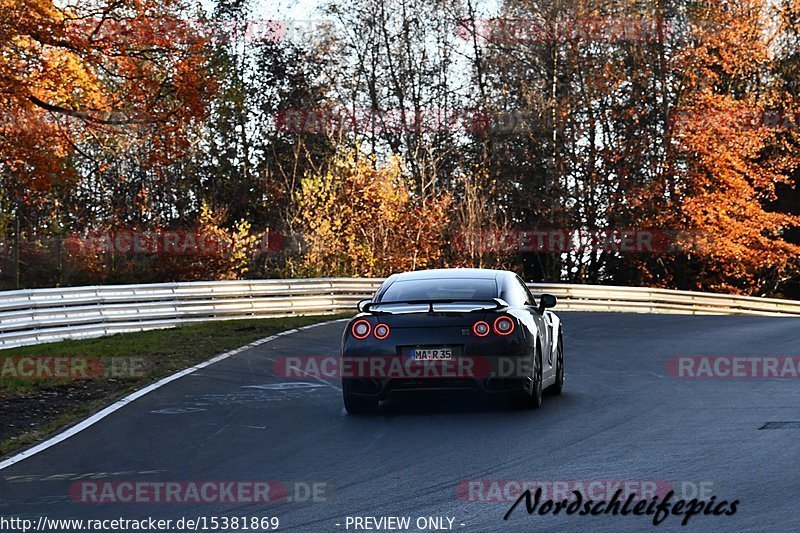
x=439, y=289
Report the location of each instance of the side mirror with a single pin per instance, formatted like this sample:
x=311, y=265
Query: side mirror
x=547, y=301
x=362, y=303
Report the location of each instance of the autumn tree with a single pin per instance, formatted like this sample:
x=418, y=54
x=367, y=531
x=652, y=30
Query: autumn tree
x=728, y=158
x=360, y=217
x=244, y=162
x=787, y=117
x=483, y=119
x=581, y=85
x=394, y=67
x=81, y=80
x=214, y=248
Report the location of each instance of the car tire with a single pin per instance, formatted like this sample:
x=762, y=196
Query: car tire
x=558, y=387
x=357, y=405
x=533, y=399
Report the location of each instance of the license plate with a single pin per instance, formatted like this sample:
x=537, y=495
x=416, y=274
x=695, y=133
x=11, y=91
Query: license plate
x=432, y=354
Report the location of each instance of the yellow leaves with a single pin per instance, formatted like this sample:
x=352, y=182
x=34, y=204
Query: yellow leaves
x=233, y=248
x=730, y=156
x=362, y=218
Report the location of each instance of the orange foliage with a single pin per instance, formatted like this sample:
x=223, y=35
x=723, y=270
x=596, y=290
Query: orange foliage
x=69, y=70
x=362, y=219
x=728, y=159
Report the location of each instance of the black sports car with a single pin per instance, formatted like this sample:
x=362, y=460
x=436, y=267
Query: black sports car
x=452, y=329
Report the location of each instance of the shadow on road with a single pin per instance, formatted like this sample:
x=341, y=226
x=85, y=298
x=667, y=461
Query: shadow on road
x=460, y=403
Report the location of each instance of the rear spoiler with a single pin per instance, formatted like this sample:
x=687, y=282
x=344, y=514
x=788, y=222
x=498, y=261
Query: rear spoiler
x=496, y=303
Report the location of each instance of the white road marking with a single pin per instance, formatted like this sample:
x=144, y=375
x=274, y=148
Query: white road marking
x=177, y=410
x=285, y=386
x=119, y=404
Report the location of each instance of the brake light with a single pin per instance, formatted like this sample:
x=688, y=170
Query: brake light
x=361, y=329
x=381, y=331
x=503, y=325
x=481, y=329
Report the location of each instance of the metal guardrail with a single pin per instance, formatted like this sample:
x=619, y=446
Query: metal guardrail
x=47, y=315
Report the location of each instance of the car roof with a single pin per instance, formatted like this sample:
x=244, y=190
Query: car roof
x=450, y=273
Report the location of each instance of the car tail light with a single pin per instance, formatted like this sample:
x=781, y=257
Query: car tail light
x=361, y=329
x=381, y=331
x=481, y=329
x=503, y=325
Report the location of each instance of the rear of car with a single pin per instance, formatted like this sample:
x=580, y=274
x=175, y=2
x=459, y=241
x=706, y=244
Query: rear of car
x=429, y=331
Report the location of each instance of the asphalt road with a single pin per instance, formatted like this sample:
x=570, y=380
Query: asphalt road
x=622, y=417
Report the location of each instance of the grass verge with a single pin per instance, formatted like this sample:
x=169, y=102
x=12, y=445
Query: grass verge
x=100, y=371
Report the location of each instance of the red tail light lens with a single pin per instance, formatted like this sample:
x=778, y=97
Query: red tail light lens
x=503, y=325
x=481, y=329
x=381, y=331
x=361, y=329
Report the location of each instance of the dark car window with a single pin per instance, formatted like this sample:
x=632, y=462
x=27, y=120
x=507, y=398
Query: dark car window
x=444, y=288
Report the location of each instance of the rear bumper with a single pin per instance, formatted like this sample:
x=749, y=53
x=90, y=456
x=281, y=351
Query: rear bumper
x=379, y=377
x=381, y=389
